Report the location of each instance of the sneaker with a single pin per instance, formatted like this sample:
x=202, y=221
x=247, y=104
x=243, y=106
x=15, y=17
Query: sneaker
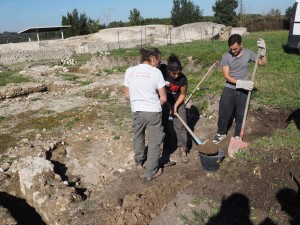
x=183, y=155
x=219, y=137
x=158, y=173
x=169, y=163
x=237, y=137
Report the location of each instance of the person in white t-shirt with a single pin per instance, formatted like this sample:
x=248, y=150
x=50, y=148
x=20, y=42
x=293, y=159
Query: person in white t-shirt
x=145, y=87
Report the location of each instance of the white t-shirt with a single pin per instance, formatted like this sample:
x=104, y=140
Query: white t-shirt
x=143, y=81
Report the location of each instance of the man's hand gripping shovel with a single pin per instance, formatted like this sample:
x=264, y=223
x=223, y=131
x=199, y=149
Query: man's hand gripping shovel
x=236, y=144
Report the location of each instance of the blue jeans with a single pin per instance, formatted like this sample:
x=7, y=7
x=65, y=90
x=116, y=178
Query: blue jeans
x=152, y=121
x=232, y=105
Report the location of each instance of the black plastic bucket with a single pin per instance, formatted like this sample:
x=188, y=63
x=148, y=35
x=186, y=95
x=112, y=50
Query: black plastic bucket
x=211, y=163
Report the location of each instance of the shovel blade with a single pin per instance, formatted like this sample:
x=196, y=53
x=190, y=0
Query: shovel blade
x=235, y=145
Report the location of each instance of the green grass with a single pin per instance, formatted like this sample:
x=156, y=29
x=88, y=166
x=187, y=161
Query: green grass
x=114, y=70
x=72, y=122
x=73, y=78
x=6, y=141
x=68, y=76
x=103, y=96
x=8, y=77
x=199, y=218
x=84, y=83
x=282, y=139
x=82, y=59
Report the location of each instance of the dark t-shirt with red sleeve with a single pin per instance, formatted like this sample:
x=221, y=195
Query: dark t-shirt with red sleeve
x=172, y=86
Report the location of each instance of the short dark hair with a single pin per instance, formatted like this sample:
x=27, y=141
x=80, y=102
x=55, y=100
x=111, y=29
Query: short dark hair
x=147, y=53
x=235, y=38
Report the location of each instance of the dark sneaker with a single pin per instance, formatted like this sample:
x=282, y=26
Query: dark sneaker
x=183, y=155
x=219, y=137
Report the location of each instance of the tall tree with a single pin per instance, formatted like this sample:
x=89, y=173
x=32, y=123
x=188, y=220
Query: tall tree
x=185, y=11
x=225, y=12
x=135, y=17
x=80, y=24
x=93, y=26
x=288, y=17
x=83, y=24
x=274, y=13
x=288, y=13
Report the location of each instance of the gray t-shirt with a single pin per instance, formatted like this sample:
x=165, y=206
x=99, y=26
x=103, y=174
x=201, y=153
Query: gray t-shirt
x=238, y=66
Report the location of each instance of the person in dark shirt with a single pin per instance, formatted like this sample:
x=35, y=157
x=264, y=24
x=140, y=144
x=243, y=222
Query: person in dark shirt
x=176, y=88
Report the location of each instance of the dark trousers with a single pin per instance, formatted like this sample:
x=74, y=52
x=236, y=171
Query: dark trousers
x=232, y=105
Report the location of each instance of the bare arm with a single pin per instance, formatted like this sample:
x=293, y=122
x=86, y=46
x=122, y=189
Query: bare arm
x=226, y=74
x=181, y=97
x=162, y=95
x=126, y=92
x=262, y=60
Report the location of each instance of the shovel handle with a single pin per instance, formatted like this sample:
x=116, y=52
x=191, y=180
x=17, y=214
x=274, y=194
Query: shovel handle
x=207, y=73
x=198, y=141
x=249, y=95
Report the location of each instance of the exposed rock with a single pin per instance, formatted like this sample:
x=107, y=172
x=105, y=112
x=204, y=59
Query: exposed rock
x=5, y=166
x=15, y=91
x=224, y=33
x=42, y=190
x=6, y=218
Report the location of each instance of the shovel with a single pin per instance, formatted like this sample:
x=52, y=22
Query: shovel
x=198, y=141
x=236, y=144
x=196, y=88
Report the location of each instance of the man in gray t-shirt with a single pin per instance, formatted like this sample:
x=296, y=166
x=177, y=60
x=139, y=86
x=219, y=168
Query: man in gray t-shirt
x=235, y=66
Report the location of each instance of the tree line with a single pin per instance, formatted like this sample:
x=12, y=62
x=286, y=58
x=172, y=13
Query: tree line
x=227, y=12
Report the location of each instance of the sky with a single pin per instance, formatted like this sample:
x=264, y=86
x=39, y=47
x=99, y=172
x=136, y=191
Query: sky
x=18, y=15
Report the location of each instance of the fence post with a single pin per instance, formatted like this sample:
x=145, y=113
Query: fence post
x=201, y=34
x=170, y=35
x=118, y=40
x=141, y=37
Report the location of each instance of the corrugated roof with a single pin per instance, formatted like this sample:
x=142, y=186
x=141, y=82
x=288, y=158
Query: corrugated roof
x=43, y=29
